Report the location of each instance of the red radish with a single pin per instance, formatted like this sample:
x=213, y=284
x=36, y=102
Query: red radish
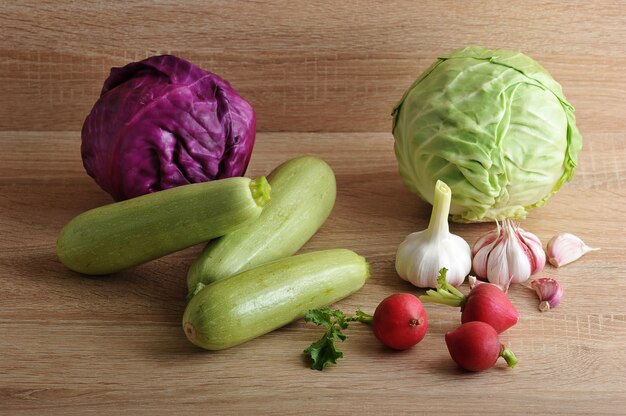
x=475, y=346
x=400, y=321
x=485, y=302
x=489, y=304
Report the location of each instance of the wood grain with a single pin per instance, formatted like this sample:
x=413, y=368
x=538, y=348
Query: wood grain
x=305, y=66
x=73, y=345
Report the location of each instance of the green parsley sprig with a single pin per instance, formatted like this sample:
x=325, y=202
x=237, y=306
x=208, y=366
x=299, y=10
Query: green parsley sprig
x=323, y=351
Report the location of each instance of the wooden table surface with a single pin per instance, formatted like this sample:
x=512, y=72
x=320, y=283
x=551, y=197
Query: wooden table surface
x=322, y=77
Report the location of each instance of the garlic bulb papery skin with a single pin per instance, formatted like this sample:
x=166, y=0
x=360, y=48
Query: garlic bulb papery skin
x=508, y=255
x=422, y=254
x=565, y=248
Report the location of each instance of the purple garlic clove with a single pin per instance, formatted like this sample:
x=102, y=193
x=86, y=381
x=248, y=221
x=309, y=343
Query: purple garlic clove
x=549, y=292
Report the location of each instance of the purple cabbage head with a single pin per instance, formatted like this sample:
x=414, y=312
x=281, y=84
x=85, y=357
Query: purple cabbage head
x=164, y=122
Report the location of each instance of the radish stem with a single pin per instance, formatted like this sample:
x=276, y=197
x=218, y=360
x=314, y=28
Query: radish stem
x=508, y=356
x=444, y=293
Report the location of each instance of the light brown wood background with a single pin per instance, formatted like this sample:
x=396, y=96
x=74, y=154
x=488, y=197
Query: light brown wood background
x=323, y=77
x=305, y=66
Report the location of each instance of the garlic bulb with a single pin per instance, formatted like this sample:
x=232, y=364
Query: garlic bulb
x=422, y=254
x=507, y=255
x=565, y=248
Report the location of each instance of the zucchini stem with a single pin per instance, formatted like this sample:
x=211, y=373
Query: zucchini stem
x=261, y=190
x=190, y=331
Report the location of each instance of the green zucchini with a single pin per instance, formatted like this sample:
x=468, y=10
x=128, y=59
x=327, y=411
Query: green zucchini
x=259, y=300
x=303, y=195
x=124, y=234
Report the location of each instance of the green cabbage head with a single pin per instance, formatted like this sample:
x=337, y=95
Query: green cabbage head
x=492, y=124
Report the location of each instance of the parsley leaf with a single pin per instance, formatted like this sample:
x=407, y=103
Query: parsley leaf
x=323, y=351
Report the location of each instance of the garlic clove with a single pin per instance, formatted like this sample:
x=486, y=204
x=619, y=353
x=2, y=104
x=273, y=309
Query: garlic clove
x=482, y=249
x=425, y=265
x=403, y=254
x=549, y=292
x=498, y=266
x=481, y=258
x=460, y=259
x=518, y=254
x=486, y=240
x=508, y=262
x=536, y=253
x=565, y=248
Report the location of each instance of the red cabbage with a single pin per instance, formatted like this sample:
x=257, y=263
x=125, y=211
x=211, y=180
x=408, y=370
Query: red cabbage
x=164, y=122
